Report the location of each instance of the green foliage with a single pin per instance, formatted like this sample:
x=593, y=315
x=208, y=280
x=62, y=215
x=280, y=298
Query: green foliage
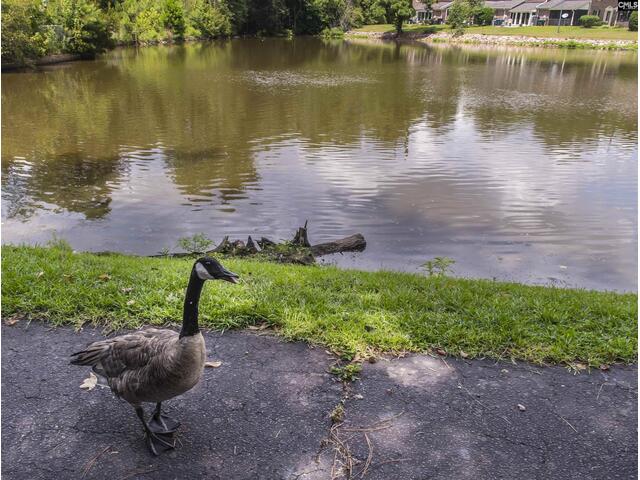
x=25, y=36
x=396, y=11
x=589, y=21
x=346, y=310
x=140, y=21
x=331, y=12
x=85, y=26
x=209, y=20
x=59, y=243
x=33, y=28
x=458, y=17
x=633, y=21
x=482, y=15
x=372, y=12
x=439, y=266
x=332, y=33
x=197, y=243
x=174, y=18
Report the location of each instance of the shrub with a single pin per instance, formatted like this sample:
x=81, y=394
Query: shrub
x=332, y=33
x=85, y=27
x=588, y=21
x=25, y=35
x=458, y=16
x=210, y=21
x=483, y=16
x=140, y=21
x=174, y=17
x=633, y=21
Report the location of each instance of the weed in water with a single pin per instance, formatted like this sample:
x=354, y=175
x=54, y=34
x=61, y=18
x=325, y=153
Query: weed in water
x=439, y=266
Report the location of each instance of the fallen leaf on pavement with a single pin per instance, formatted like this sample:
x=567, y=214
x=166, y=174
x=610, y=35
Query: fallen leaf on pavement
x=89, y=382
x=521, y=407
x=212, y=364
x=440, y=351
x=11, y=321
x=464, y=354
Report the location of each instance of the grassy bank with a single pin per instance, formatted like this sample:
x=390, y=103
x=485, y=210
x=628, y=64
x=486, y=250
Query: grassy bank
x=596, y=33
x=351, y=312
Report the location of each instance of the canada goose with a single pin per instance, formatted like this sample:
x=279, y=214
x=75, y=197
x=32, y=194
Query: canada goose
x=154, y=365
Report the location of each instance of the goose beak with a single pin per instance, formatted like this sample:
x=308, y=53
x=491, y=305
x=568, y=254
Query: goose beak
x=228, y=276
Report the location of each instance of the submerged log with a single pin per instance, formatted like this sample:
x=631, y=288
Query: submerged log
x=354, y=243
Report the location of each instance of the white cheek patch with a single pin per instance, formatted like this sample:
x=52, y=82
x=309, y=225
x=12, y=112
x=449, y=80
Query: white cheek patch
x=202, y=272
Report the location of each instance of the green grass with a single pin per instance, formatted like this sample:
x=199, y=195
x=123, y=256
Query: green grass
x=351, y=312
x=597, y=33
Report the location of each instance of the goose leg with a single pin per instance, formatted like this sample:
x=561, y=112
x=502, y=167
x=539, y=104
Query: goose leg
x=160, y=423
x=157, y=442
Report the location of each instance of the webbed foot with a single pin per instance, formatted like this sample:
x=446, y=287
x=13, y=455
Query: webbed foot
x=160, y=442
x=163, y=424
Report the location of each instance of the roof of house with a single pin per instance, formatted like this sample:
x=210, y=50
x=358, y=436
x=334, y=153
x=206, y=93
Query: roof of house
x=528, y=6
x=568, y=5
x=440, y=5
x=418, y=6
x=502, y=4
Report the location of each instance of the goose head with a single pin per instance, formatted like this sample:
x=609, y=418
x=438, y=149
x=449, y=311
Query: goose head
x=208, y=268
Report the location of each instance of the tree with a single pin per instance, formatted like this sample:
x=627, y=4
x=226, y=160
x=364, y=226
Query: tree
x=458, y=16
x=482, y=15
x=209, y=20
x=85, y=26
x=397, y=11
x=174, y=17
x=24, y=37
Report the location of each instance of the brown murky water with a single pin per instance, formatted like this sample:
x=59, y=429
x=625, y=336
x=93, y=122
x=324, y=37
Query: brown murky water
x=518, y=164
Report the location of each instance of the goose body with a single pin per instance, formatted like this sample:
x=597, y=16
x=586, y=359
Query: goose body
x=154, y=365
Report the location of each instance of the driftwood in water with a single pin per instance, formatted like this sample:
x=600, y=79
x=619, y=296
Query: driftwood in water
x=299, y=250
x=354, y=243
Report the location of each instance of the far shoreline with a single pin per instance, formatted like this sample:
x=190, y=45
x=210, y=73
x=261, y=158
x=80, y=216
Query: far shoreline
x=469, y=38
x=407, y=36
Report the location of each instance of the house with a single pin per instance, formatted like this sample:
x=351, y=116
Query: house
x=554, y=9
x=526, y=13
x=439, y=11
x=551, y=12
x=608, y=12
x=501, y=9
x=423, y=13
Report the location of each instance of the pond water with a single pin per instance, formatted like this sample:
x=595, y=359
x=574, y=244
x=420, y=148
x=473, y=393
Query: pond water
x=518, y=164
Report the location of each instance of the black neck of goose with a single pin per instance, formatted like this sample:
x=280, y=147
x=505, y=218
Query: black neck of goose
x=191, y=300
